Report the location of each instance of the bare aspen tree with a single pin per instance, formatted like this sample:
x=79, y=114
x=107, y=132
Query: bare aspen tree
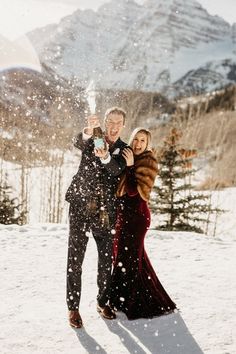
x=50, y=196
x=217, y=213
x=24, y=186
x=60, y=196
x=209, y=212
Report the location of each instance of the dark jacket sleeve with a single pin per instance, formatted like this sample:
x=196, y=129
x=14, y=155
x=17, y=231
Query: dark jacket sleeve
x=131, y=184
x=81, y=144
x=116, y=166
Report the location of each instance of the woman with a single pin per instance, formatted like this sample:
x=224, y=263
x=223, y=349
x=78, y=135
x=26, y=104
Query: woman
x=135, y=288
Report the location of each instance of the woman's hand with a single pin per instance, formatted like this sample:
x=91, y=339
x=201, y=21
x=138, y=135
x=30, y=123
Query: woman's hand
x=128, y=156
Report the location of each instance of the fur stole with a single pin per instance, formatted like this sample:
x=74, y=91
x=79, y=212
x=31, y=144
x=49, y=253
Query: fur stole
x=145, y=171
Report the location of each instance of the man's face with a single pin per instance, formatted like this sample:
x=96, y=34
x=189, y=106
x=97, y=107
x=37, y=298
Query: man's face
x=114, y=125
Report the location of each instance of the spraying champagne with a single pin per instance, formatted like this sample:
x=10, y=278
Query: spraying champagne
x=93, y=121
x=91, y=97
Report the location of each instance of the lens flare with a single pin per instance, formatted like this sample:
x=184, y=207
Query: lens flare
x=18, y=53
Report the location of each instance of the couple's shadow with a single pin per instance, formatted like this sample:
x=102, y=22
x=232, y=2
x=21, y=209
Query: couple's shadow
x=88, y=342
x=164, y=334
x=160, y=335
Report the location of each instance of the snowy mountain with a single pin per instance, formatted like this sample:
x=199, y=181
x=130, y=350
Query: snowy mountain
x=126, y=45
x=209, y=77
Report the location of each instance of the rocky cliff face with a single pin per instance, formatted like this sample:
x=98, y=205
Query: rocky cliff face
x=125, y=45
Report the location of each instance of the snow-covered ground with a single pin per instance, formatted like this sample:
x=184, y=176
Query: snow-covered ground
x=197, y=271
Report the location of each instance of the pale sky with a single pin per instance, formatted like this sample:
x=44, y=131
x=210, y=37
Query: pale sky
x=20, y=16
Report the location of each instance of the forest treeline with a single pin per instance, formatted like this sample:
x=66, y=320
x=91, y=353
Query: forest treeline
x=39, y=115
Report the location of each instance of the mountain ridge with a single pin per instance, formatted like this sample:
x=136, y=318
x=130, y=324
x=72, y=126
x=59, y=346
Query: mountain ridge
x=130, y=46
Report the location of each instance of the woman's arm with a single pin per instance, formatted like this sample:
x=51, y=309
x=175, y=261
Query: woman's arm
x=131, y=183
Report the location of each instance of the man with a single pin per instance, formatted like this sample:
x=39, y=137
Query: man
x=93, y=208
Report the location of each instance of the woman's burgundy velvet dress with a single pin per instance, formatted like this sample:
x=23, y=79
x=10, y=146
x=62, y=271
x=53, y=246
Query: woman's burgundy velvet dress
x=135, y=288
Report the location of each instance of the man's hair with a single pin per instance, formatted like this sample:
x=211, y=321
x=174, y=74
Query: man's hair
x=116, y=110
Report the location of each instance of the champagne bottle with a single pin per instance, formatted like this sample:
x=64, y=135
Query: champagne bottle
x=104, y=217
x=98, y=138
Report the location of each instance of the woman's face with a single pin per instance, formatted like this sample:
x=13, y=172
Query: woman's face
x=139, y=143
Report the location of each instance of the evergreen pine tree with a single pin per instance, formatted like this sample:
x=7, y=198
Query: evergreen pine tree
x=11, y=212
x=174, y=198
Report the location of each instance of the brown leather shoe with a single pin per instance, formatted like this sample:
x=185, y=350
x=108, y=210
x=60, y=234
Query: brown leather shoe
x=106, y=312
x=75, y=319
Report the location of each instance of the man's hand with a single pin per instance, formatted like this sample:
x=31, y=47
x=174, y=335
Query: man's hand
x=128, y=156
x=102, y=153
x=93, y=122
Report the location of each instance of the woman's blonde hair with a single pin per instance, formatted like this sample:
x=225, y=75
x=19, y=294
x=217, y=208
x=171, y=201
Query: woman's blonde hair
x=144, y=131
